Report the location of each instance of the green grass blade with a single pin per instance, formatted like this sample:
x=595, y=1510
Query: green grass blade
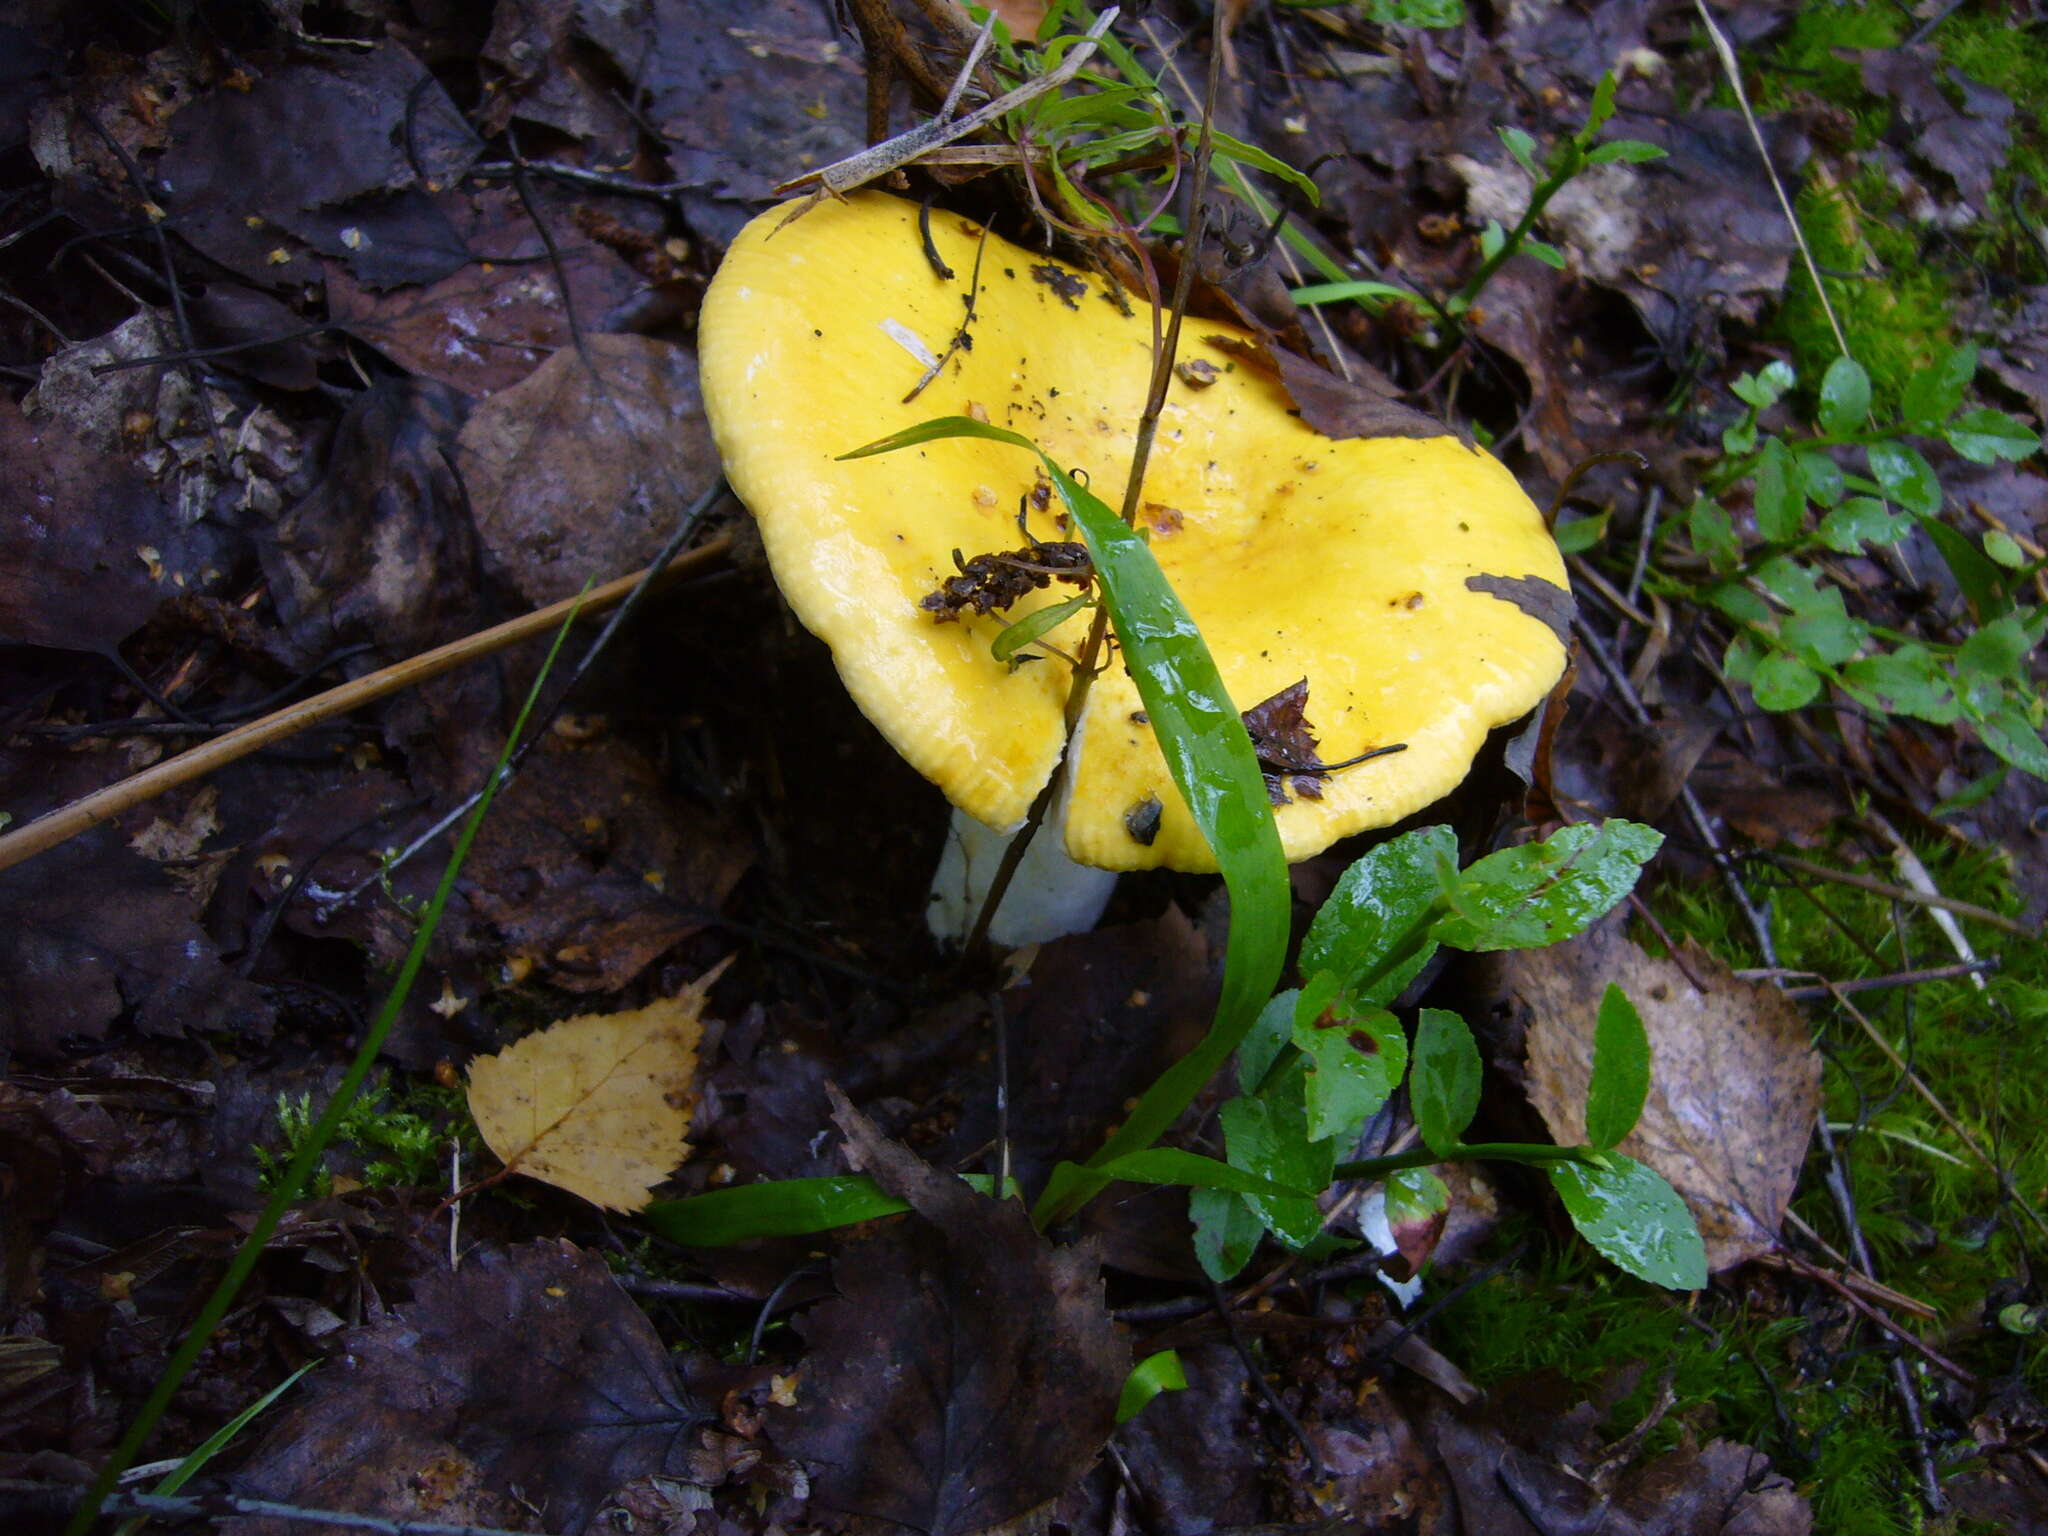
x=301, y=1166
x=1210, y=757
x=196, y=1460
x=783, y=1208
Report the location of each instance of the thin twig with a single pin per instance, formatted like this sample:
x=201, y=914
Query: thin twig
x=1264, y=1387
x=81, y=815
x=1825, y=988
x=217, y=1506
x=664, y=561
x=1903, y=893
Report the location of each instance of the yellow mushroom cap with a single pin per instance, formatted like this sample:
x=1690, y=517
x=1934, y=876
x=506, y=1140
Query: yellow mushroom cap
x=1349, y=562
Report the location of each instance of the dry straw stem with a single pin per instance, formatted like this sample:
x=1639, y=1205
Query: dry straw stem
x=87, y=812
x=1733, y=70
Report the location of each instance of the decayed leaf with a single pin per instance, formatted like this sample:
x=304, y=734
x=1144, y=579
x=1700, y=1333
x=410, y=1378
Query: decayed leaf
x=966, y=1373
x=599, y=1104
x=1734, y=1081
x=525, y=1382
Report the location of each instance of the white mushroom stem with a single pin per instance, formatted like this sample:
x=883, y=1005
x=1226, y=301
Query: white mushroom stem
x=1049, y=897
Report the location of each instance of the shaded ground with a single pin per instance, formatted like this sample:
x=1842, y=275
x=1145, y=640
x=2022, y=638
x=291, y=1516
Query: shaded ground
x=334, y=334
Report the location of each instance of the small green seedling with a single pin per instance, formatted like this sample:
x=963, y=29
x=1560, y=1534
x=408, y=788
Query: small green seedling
x=1795, y=633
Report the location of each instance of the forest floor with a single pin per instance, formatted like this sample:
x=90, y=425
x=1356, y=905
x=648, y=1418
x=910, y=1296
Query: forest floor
x=333, y=334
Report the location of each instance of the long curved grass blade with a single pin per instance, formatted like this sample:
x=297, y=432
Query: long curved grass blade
x=315, y=1146
x=1211, y=760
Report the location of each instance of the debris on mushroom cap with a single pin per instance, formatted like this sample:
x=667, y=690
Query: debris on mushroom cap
x=1409, y=580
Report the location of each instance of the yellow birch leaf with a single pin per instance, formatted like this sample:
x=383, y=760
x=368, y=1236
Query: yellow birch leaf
x=598, y=1105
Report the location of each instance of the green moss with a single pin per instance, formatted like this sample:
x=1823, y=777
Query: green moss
x=1775, y=1363
x=1774, y=1384
x=1853, y=217
x=399, y=1136
x=1896, y=320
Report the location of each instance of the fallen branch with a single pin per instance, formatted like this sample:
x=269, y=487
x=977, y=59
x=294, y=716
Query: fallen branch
x=89, y=811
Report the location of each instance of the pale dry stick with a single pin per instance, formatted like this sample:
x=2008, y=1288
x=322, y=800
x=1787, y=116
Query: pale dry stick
x=89, y=811
x=1885, y=888
x=1941, y=1110
x=844, y=176
x=1915, y=874
x=1733, y=70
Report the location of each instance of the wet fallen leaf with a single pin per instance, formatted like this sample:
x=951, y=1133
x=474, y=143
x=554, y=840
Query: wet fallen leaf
x=1734, y=1081
x=91, y=932
x=341, y=152
x=527, y=1380
x=967, y=1372
x=577, y=473
x=599, y=1104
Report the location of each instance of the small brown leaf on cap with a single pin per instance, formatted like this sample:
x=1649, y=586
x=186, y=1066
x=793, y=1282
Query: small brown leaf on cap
x=1540, y=599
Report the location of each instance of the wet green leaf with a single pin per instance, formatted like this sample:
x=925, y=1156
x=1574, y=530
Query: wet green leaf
x=1372, y=932
x=1540, y=893
x=1635, y=1219
x=1932, y=394
x=1782, y=681
x=1149, y=1377
x=1780, y=494
x=1844, y=398
x=1907, y=478
x=1355, y=1058
x=1634, y=151
x=1269, y=1135
x=1035, y=626
x=1985, y=437
x=1227, y=1232
x=780, y=1208
x=1620, y=1084
x=1862, y=520
x=1908, y=681
x=1443, y=1089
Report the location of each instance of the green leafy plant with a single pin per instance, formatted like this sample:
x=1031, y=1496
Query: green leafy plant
x=1795, y=633
x=1326, y=1056
x=1567, y=159
x=1315, y=1062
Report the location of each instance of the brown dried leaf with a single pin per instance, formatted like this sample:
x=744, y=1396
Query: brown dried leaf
x=967, y=1371
x=527, y=1381
x=1734, y=1081
x=577, y=472
x=599, y=1104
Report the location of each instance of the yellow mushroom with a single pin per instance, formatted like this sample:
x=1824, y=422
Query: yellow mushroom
x=1408, y=579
